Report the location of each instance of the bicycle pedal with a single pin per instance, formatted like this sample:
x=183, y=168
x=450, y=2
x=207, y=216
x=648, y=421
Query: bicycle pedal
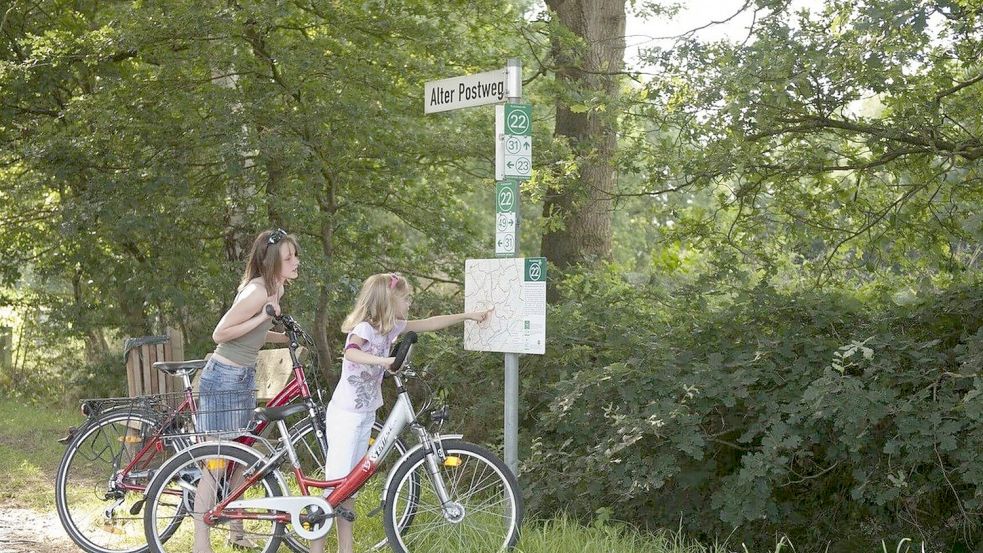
x=69, y=434
x=345, y=514
x=135, y=509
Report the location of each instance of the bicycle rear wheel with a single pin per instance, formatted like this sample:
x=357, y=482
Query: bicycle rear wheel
x=98, y=494
x=487, y=503
x=174, y=500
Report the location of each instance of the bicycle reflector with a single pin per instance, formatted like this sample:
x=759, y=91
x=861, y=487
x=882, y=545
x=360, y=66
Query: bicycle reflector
x=452, y=461
x=130, y=439
x=216, y=464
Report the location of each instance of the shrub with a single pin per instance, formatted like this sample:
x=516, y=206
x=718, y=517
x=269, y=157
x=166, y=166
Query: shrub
x=823, y=415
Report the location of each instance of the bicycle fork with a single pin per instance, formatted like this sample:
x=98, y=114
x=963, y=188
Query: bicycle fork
x=453, y=511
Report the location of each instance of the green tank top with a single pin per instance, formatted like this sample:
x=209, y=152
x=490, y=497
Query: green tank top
x=244, y=350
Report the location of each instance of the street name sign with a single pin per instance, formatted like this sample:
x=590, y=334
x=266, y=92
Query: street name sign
x=466, y=91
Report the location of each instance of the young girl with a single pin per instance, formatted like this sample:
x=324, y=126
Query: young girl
x=228, y=381
x=378, y=319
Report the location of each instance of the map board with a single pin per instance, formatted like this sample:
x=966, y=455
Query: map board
x=516, y=288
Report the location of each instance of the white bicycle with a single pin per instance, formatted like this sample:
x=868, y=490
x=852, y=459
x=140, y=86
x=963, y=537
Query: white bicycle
x=444, y=494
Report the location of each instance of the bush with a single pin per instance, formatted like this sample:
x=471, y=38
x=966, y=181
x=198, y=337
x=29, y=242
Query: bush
x=105, y=377
x=821, y=415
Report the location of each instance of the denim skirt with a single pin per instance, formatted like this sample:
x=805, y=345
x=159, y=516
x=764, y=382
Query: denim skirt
x=227, y=398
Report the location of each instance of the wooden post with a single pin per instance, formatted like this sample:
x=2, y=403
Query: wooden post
x=141, y=376
x=274, y=369
x=175, y=343
x=164, y=352
x=146, y=369
x=132, y=373
x=6, y=347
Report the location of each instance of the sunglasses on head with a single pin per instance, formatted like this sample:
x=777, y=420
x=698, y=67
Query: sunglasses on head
x=276, y=236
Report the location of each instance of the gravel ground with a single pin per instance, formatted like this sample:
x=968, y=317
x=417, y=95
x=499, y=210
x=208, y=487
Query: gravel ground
x=28, y=531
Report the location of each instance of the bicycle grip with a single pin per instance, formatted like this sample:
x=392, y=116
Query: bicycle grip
x=402, y=350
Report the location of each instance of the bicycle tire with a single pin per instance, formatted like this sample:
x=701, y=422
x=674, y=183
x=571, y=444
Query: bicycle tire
x=479, y=482
x=90, y=461
x=179, y=473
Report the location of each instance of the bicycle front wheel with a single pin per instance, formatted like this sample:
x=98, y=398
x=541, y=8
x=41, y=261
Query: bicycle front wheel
x=485, y=509
x=100, y=482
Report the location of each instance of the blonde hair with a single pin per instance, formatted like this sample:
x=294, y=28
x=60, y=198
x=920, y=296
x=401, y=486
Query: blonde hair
x=376, y=302
x=264, y=259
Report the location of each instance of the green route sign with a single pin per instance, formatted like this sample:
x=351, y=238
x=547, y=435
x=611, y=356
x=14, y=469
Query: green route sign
x=506, y=218
x=535, y=269
x=506, y=194
x=514, y=154
x=518, y=119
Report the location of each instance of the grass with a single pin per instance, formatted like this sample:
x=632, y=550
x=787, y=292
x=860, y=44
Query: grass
x=567, y=535
x=30, y=453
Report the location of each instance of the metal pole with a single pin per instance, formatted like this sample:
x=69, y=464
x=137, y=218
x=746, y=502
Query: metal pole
x=513, y=78
x=512, y=411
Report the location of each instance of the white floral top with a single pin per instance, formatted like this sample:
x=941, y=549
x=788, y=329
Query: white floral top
x=360, y=387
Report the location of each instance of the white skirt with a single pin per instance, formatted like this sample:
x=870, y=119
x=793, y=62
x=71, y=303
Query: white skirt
x=348, y=436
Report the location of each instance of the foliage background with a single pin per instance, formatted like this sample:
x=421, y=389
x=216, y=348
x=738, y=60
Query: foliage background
x=785, y=337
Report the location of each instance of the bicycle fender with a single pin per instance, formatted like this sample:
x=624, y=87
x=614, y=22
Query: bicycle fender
x=236, y=445
x=410, y=451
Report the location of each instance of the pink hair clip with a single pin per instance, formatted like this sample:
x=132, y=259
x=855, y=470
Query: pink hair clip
x=393, y=280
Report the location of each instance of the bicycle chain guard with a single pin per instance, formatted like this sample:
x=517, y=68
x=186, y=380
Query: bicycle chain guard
x=296, y=507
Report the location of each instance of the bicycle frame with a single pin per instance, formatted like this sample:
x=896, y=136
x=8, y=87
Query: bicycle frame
x=401, y=416
x=297, y=387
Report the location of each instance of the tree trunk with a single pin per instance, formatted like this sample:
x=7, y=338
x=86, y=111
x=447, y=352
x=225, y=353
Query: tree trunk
x=589, y=69
x=238, y=240
x=135, y=320
x=328, y=207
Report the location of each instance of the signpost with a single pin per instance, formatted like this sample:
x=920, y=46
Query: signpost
x=513, y=163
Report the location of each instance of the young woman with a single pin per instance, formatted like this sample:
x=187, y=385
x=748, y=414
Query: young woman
x=228, y=382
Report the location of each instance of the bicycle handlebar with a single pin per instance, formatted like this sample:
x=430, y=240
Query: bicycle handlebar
x=288, y=323
x=402, y=351
x=293, y=331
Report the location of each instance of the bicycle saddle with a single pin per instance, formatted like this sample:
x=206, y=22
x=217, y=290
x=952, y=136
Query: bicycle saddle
x=177, y=368
x=274, y=414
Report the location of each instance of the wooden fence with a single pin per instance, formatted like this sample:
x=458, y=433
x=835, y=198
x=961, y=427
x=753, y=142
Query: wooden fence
x=273, y=368
x=141, y=354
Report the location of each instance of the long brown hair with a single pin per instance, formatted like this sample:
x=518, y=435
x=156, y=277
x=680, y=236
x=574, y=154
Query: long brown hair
x=264, y=259
x=376, y=302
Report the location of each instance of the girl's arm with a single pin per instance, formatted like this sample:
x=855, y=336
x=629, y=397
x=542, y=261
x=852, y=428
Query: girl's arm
x=356, y=355
x=242, y=316
x=443, y=321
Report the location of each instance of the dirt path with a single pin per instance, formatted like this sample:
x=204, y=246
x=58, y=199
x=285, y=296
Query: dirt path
x=28, y=531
